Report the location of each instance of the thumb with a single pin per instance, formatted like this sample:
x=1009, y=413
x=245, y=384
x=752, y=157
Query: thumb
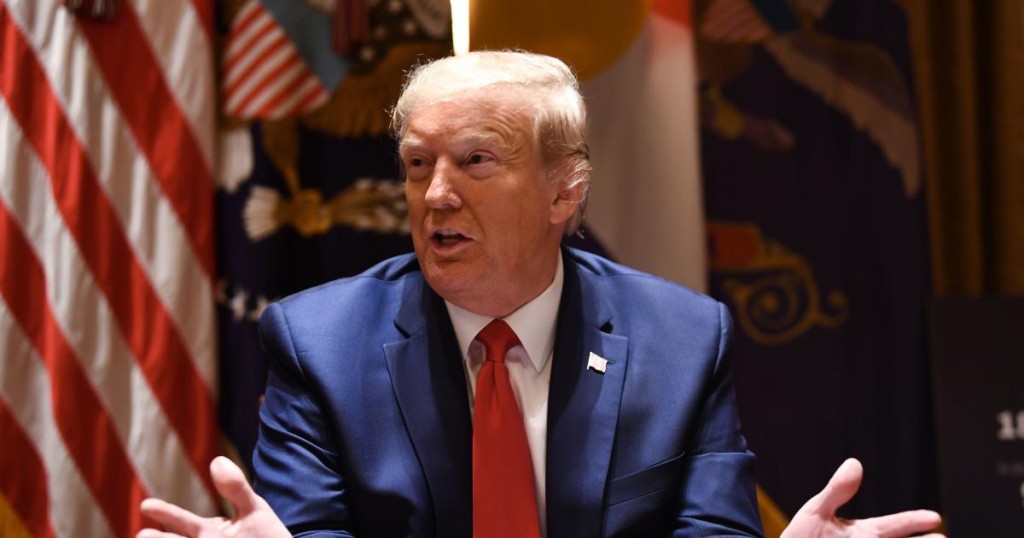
x=231, y=483
x=840, y=489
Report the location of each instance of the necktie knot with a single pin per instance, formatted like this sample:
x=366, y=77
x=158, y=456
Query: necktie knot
x=497, y=338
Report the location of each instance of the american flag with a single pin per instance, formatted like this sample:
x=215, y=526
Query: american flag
x=107, y=328
x=278, y=60
x=264, y=74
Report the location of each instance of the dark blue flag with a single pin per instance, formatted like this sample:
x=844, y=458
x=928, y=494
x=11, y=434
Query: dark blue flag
x=818, y=242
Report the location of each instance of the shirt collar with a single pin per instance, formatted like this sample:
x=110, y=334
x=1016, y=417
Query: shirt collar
x=533, y=323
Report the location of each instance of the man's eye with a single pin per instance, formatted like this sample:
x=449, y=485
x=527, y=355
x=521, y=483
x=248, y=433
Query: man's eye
x=416, y=167
x=478, y=158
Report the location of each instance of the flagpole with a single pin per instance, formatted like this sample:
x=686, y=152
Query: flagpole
x=460, y=26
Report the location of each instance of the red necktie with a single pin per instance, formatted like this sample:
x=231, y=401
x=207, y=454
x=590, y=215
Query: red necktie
x=504, y=500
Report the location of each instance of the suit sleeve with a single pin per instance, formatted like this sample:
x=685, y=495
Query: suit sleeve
x=717, y=494
x=295, y=462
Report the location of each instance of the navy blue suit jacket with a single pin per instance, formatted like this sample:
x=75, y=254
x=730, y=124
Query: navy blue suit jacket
x=366, y=429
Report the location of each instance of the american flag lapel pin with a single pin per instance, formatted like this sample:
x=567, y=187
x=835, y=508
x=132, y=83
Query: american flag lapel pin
x=597, y=363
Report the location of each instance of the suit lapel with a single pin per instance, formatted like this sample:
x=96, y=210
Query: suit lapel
x=583, y=408
x=430, y=386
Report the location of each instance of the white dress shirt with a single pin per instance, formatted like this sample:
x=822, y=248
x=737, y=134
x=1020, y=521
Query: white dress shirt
x=529, y=367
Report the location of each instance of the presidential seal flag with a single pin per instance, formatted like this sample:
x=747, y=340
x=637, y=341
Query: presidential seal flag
x=107, y=327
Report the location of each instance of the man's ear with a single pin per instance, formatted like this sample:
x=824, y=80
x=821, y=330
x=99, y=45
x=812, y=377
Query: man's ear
x=566, y=201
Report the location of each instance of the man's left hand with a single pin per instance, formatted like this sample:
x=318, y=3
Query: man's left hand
x=817, y=518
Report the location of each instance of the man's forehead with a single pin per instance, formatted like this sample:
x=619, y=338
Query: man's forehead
x=489, y=119
x=484, y=130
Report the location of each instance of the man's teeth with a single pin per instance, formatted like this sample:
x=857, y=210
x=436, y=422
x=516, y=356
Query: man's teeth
x=447, y=238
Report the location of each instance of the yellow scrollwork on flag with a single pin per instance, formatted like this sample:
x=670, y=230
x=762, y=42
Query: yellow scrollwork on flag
x=772, y=290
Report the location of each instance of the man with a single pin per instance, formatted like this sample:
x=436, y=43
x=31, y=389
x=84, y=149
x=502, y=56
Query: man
x=496, y=384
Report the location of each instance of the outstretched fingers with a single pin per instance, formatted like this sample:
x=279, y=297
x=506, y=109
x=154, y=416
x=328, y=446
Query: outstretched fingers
x=905, y=523
x=174, y=518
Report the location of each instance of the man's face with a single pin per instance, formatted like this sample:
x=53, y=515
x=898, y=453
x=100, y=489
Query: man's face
x=486, y=220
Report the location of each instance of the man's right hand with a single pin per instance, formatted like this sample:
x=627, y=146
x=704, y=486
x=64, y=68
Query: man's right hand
x=253, y=516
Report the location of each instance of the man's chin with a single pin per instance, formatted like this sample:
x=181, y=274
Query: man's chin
x=446, y=278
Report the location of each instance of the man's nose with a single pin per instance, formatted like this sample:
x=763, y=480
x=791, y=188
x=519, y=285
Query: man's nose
x=443, y=191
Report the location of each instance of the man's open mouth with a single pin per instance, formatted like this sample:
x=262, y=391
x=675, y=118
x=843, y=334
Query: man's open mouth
x=447, y=238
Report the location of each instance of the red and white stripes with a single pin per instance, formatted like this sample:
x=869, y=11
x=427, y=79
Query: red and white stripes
x=264, y=75
x=107, y=326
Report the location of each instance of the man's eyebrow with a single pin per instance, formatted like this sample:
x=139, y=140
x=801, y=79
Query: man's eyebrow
x=409, y=142
x=467, y=137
